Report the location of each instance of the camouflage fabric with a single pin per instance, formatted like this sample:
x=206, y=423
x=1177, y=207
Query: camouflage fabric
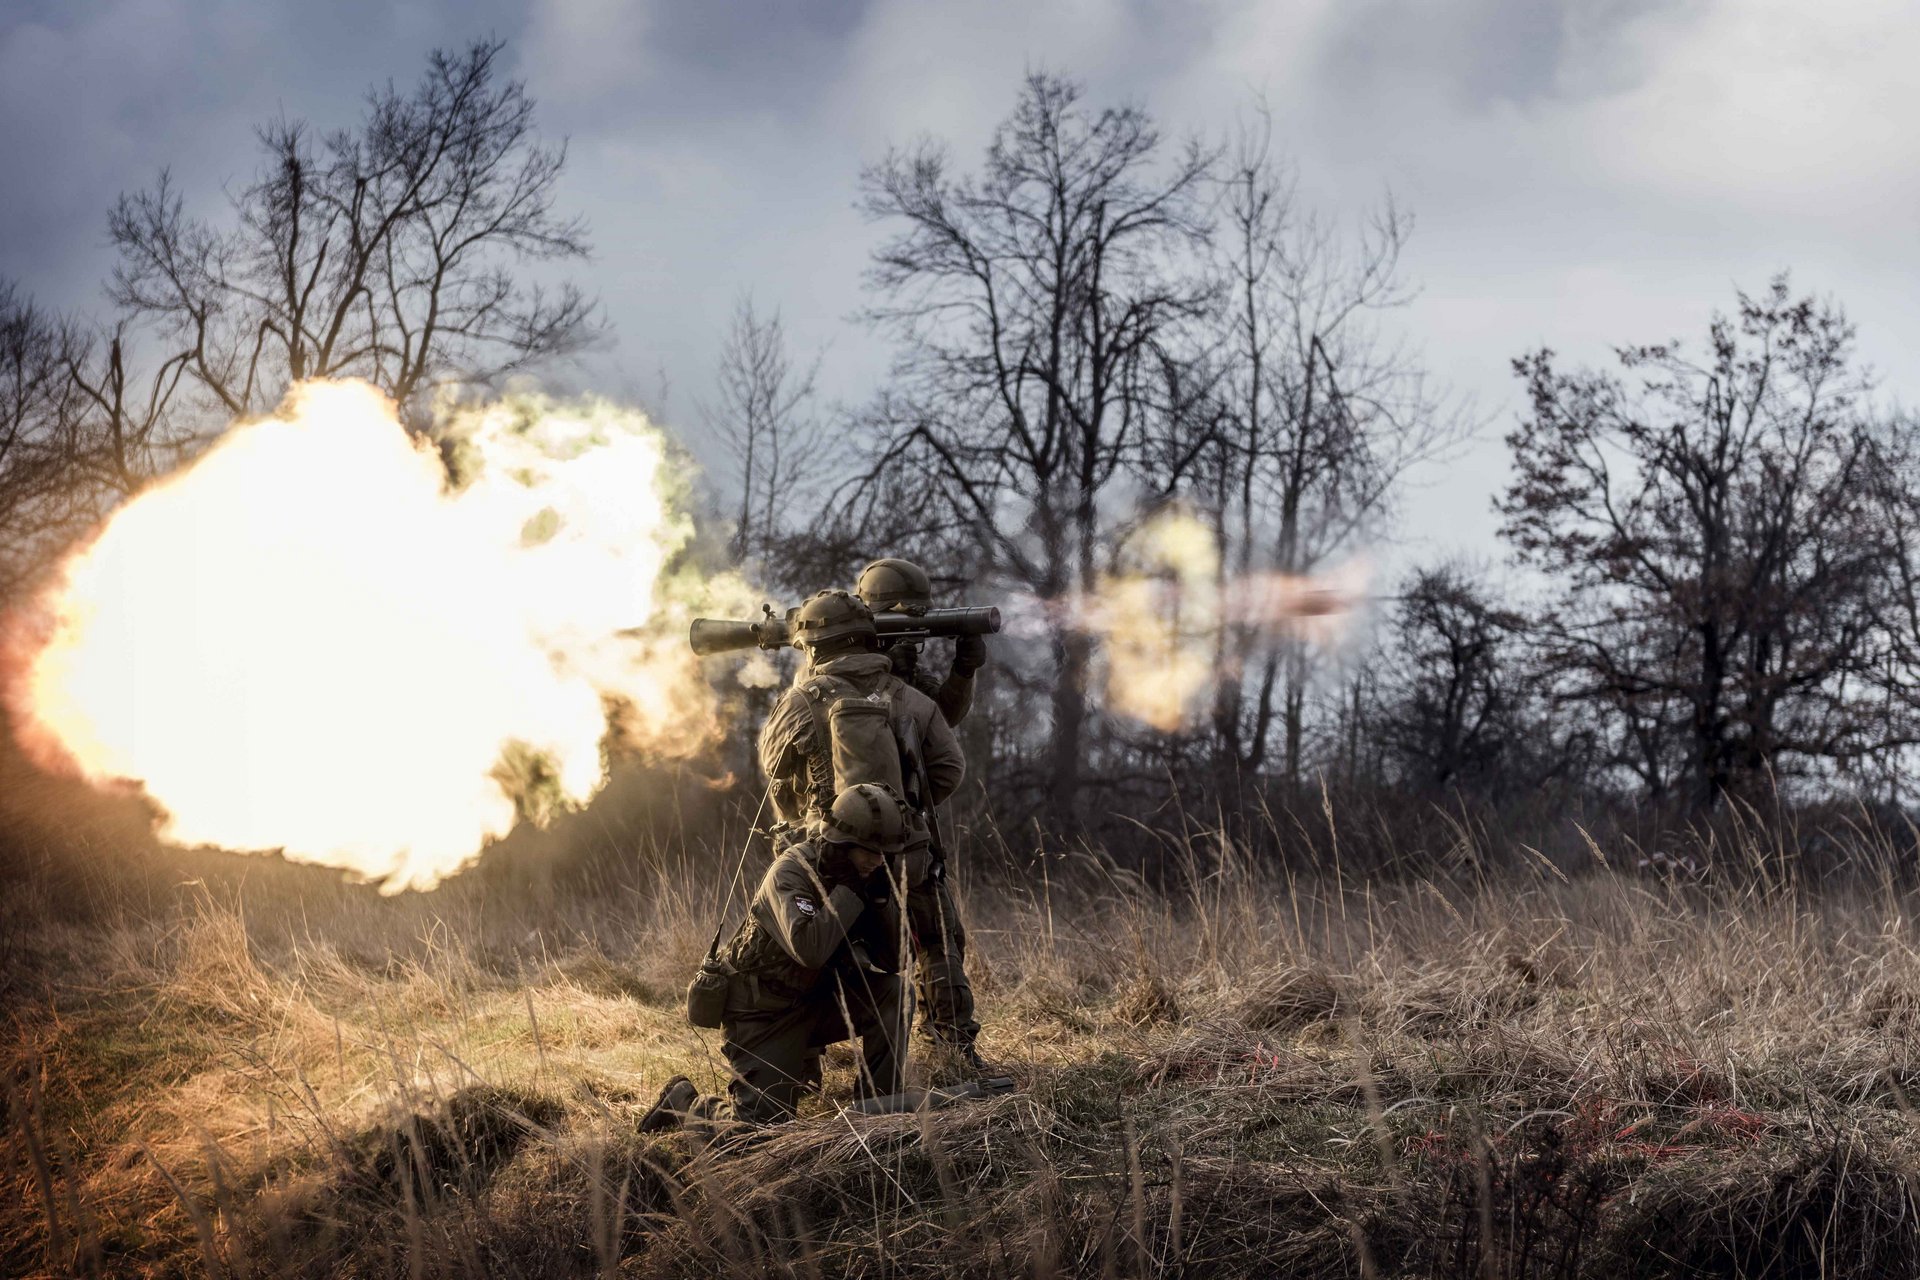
x=790, y=752
x=940, y=948
x=804, y=980
x=954, y=697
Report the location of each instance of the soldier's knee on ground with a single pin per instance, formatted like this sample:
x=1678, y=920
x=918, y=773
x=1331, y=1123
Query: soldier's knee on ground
x=772, y=1067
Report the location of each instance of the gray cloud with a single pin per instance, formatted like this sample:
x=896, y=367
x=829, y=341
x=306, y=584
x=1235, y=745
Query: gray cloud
x=1487, y=52
x=97, y=96
x=1583, y=172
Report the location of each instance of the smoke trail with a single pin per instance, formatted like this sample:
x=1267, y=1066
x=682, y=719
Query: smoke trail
x=1171, y=626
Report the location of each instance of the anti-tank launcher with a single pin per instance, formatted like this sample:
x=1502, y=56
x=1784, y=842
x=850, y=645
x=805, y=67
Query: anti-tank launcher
x=775, y=631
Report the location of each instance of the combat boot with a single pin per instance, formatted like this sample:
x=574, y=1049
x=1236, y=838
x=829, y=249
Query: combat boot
x=669, y=1111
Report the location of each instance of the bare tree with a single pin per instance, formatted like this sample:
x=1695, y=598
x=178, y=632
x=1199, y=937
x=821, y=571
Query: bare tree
x=1321, y=416
x=124, y=427
x=1454, y=707
x=764, y=412
x=38, y=446
x=1727, y=541
x=1031, y=302
x=79, y=429
x=384, y=252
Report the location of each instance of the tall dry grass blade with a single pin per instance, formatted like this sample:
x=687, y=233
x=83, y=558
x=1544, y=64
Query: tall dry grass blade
x=1376, y=1111
x=1137, y=1200
x=539, y=1045
x=202, y=1228
x=1483, y=1199
x=27, y=1117
x=1176, y=1201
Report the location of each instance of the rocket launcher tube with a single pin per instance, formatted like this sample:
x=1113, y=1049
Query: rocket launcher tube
x=724, y=635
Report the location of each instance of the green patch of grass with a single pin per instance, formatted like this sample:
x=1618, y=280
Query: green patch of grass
x=115, y=1050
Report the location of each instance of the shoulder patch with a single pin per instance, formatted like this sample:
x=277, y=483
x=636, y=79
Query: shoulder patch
x=804, y=905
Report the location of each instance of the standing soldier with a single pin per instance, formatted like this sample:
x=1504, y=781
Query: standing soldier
x=933, y=918
x=901, y=586
x=849, y=718
x=815, y=962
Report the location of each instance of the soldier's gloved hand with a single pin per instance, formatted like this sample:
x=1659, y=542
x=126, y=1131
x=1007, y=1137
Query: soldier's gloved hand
x=836, y=865
x=969, y=654
x=905, y=658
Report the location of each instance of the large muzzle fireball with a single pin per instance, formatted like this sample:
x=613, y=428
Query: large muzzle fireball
x=329, y=638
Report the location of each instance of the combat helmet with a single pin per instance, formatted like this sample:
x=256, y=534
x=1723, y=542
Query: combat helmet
x=829, y=615
x=868, y=814
x=895, y=585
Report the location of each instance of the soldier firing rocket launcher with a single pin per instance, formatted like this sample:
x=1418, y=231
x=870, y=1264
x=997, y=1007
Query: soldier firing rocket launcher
x=774, y=631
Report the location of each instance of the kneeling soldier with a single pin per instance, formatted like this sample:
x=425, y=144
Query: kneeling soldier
x=815, y=962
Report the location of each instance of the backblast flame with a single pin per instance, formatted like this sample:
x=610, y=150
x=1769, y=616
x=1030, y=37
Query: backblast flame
x=322, y=638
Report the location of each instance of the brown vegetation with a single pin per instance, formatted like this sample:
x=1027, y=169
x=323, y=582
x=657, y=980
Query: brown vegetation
x=262, y=1072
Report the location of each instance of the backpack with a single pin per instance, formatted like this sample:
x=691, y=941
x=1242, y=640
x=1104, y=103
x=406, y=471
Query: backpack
x=857, y=737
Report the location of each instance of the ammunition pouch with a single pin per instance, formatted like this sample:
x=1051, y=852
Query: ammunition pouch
x=707, y=993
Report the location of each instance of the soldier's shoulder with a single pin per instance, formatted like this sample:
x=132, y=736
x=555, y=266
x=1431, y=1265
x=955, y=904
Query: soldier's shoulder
x=791, y=703
x=794, y=865
x=921, y=706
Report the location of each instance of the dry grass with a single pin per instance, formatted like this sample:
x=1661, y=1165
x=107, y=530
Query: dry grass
x=1534, y=1076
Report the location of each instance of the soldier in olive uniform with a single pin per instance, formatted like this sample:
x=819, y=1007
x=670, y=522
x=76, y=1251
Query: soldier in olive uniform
x=901, y=586
x=835, y=630
x=837, y=633
x=933, y=918
x=815, y=962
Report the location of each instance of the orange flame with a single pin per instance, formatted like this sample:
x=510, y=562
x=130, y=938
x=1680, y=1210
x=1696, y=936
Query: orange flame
x=315, y=640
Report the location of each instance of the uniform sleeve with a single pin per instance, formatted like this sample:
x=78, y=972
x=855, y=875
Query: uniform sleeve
x=783, y=755
x=808, y=922
x=946, y=763
x=954, y=697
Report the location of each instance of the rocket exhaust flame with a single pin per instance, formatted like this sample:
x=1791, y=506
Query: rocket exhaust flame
x=316, y=639
x=1170, y=625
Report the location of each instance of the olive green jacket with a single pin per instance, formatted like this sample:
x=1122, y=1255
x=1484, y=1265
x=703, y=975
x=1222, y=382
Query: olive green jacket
x=796, y=927
x=788, y=746
x=953, y=695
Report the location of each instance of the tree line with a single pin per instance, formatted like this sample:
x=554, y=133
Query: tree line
x=1708, y=598
x=1709, y=589
x=392, y=250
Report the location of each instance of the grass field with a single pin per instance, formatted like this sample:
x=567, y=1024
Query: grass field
x=1539, y=1073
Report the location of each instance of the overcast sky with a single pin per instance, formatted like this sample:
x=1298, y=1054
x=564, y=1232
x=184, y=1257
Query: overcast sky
x=1582, y=172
